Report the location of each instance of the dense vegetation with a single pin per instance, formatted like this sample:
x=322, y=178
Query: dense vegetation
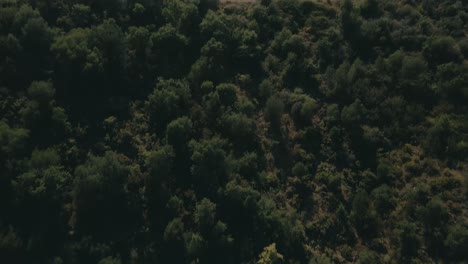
x=281, y=131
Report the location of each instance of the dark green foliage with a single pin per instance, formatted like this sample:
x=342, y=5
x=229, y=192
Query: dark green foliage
x=99, y=197
x=273, y=131
x=384, y=199
x=441, y=50
x=227, y=93
x=210, y=166
x=274, y=109
x=456, y=242
x=370, y=9
x=410, y=240
x=452, y=82
x=239, y=128
x=172, y=43
x=349, y=20
x=108, y=38
x=160, y=165
x=110, y=260
x=168, y=101
x=353, y=114
x=368, y=257
x=362, y=214
x=204, y=216
x=178, y=132
x=174, y=231
x=13, y=140
x=270, y=255
x=44, y=159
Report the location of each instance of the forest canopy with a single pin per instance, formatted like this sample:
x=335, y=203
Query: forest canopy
x=216, y=131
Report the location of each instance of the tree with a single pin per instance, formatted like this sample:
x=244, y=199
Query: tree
x=182, y=15
x=213, y=231
x=456, y=242
x=74, y=54
x=13, y=141
x=48, y=184
x=452, y=82
x=174, y=231
x=100, y=198
x=278, y=45
x=196, y=246
x=160, y=164
x=108, y=38
x=351, y=25
x=204, y=216
x=410, y=240
x=320, y=260
x=274, y=109
x=414, y=78
x=299, y=170
x=248, y=53
x=9, y=66
x=435, y=214
x=205, y=5
x=239, y=128
x=139, y=50
x=370, y=9
x=353, y=114
x=280, y=224
x=110, y=260
x=387, y=172
x=270, y=255
x=42, y=92
x=384, y=199
x=266, y=89
x=303, y=108
x=107, y=6
x=437, y=137
x=309, y=106
x=412, y=67
x=241, y=199
x=227, y=93
x=78, y=66
x=42, y=159
x=362, y=215
x=168, y=101
x=42, y=191
x=80, y=15
x=439, y=50
x=209, y=165
x=41, y=111
x=214, y=25
x=158, y=183
x=35, y=38
x=174, y=248
x=168, y=51
x=368, y=257
x=178, y=132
